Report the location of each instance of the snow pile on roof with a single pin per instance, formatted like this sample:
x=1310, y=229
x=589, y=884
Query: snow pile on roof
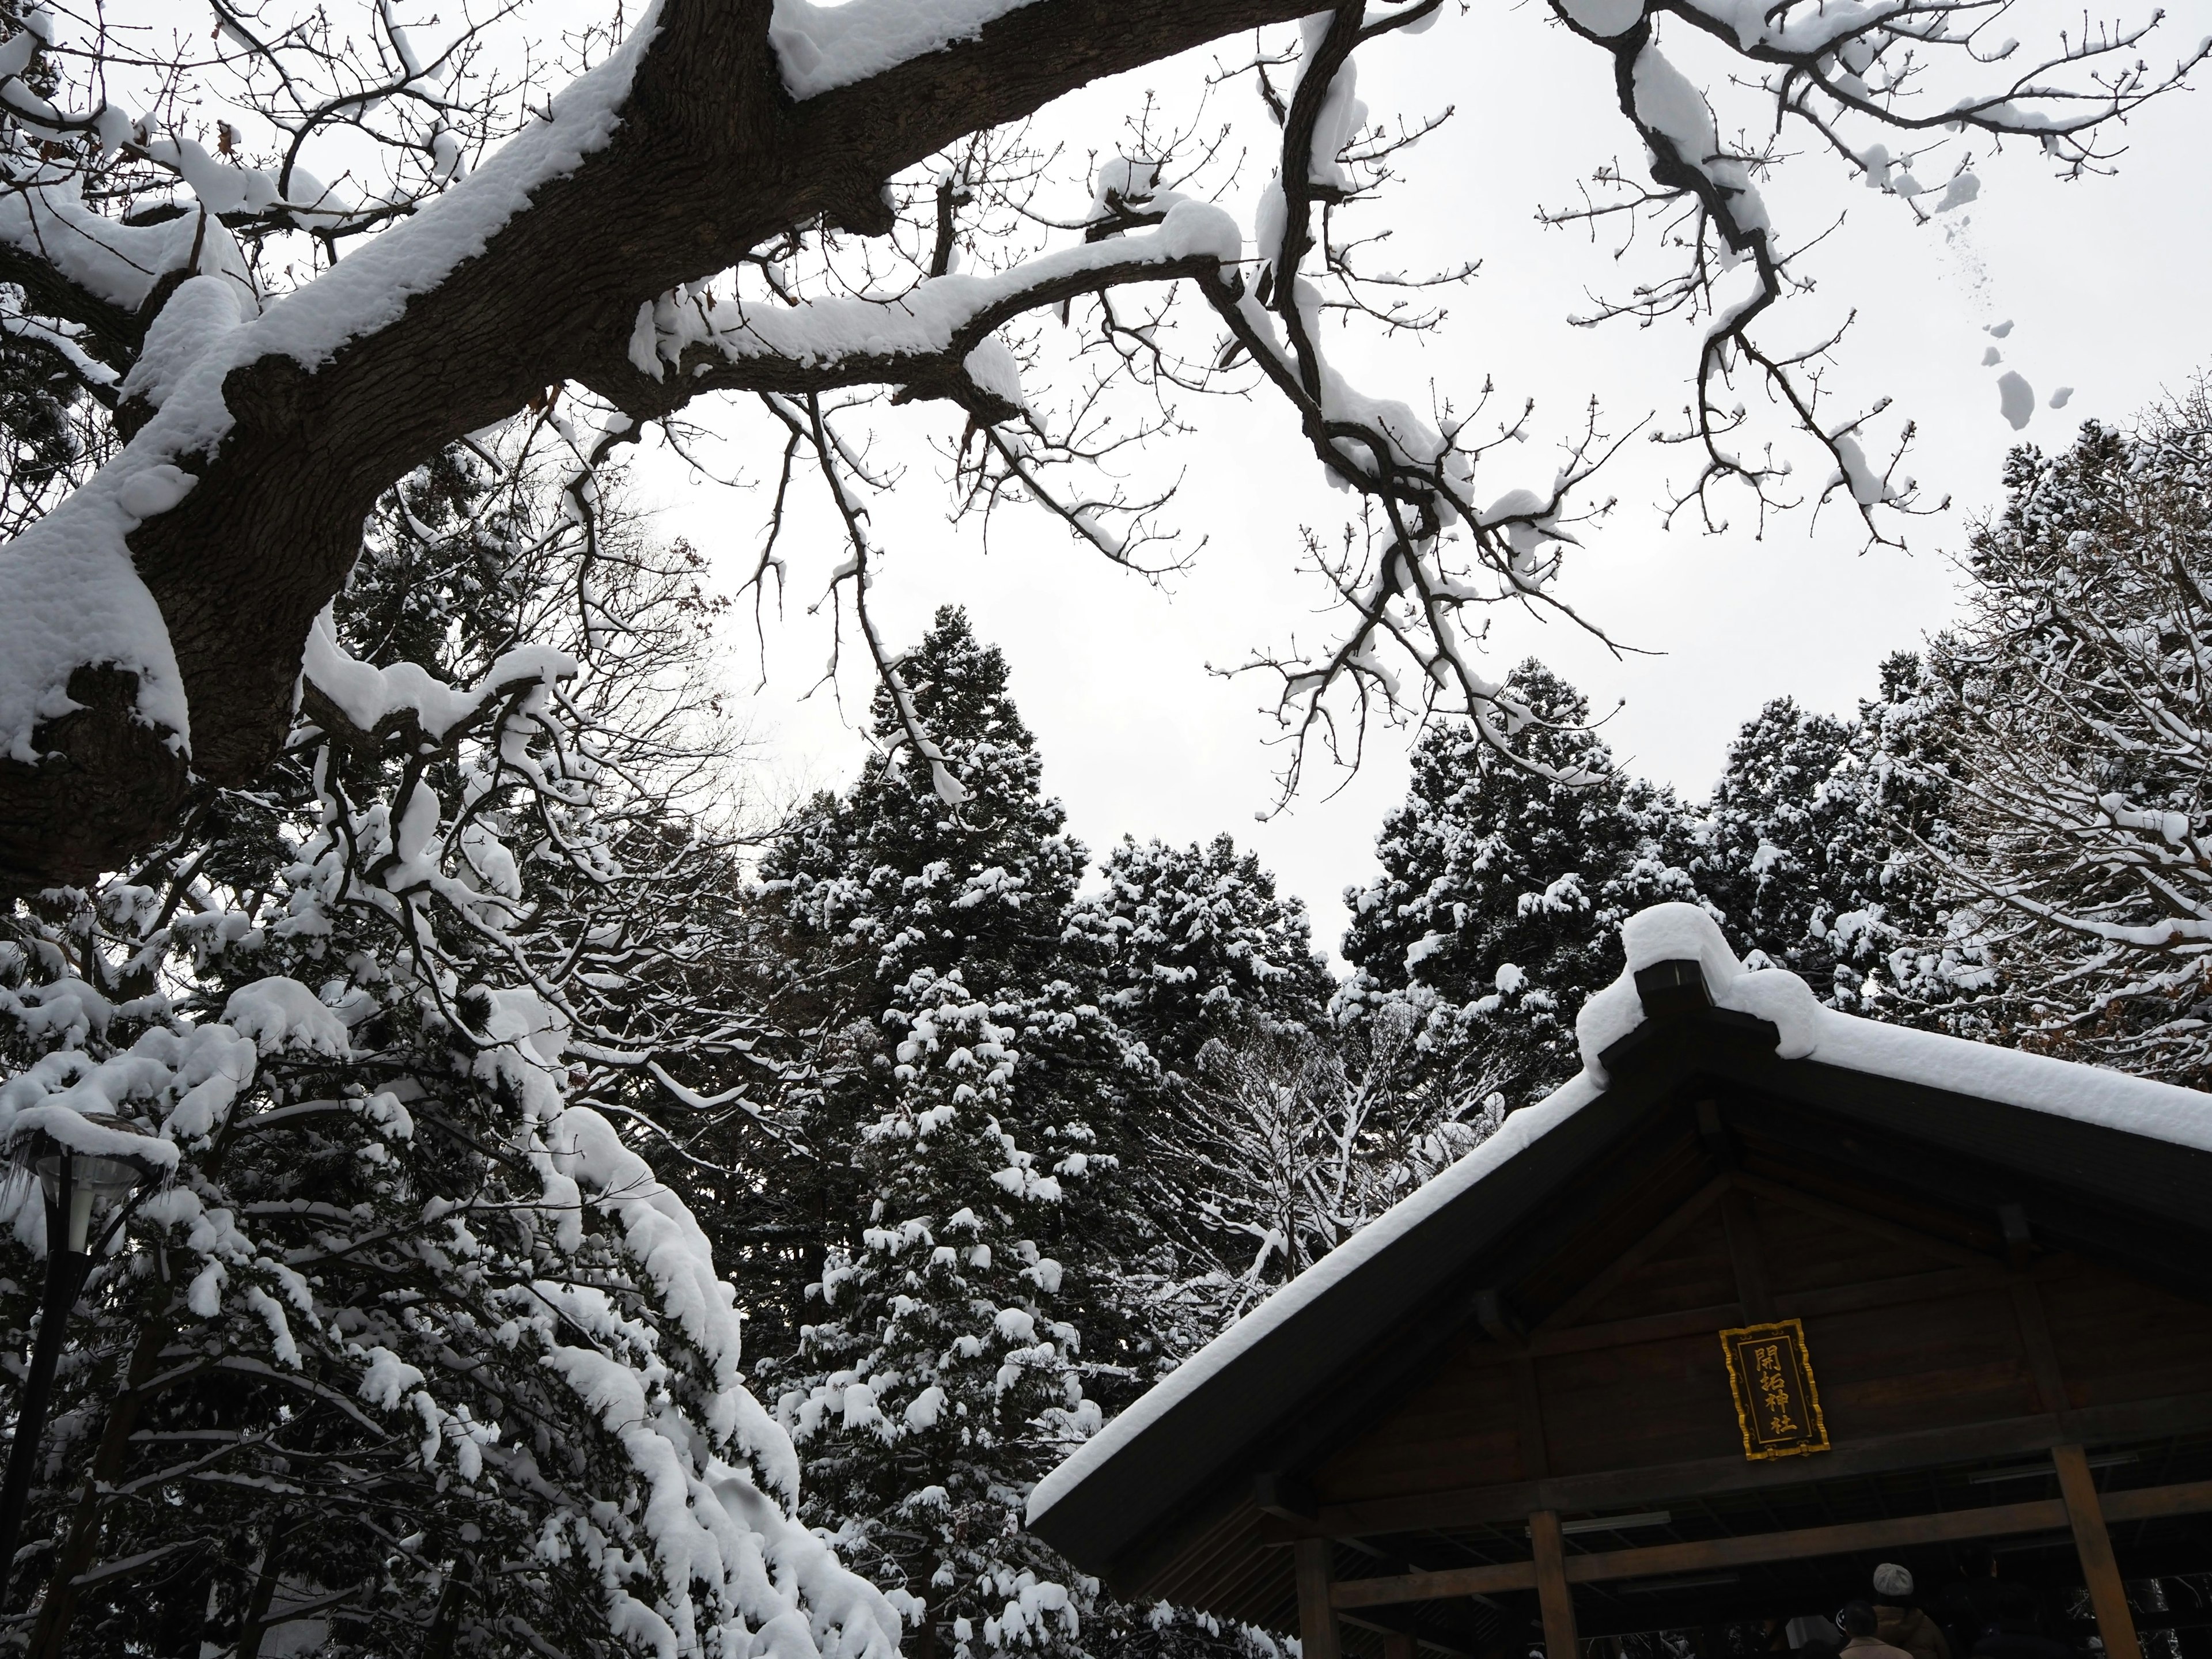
x=1683, y=933
x=1810, y=1030
x=1807, y=1031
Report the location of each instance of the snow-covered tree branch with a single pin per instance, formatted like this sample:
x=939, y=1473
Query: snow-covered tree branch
x=268, y=276
x=2077, y=685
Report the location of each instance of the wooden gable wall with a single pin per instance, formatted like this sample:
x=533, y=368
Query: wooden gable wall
x=1591, y=1380
x=1909, y=1330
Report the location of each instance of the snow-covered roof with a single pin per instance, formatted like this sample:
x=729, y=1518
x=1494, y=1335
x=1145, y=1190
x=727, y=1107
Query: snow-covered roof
x=1805, y=1030
x=2088, y=1094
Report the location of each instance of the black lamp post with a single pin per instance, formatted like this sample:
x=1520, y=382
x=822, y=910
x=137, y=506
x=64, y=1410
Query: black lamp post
x=77, y=1183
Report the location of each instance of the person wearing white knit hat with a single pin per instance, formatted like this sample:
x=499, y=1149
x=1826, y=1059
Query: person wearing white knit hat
x=1901, y=1624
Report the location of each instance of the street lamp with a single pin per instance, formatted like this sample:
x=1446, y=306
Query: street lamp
x=76, y=1184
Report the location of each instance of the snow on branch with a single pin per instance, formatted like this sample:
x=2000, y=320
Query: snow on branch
x=816, y=258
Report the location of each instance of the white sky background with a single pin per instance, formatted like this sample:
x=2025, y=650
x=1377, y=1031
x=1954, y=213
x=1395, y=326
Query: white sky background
x=2105, y=280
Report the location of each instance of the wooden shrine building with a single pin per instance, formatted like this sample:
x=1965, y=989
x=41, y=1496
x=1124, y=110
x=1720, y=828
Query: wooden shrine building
x=1768, y=1296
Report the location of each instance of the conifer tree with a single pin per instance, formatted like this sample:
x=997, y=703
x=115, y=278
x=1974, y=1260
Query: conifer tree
x=1193, y=945
x=1821, y=850
x=1782, y=854
x=1505, y=876
x=971, y=1149
x=1917, y=938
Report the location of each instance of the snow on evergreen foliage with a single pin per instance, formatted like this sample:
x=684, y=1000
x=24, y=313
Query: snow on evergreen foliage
x=1498, y=911
x=2077, y=683
x=906, y=882
x=1809, y=844
x=989, y=1144
x=416, y=1352
x=1271, y=1137
x=1195, y=946
x=937, y=1375
x=1778, y=843
x=500, y=1089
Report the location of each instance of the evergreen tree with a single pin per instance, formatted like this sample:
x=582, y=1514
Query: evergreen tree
x=1259, y=1150
x=58, y=383
x=902, y=875
x=1782, y=852
x=1193, y=945
x=1912, y=930
x=1821, y=851
x=1505, y=877
x=971, y=1149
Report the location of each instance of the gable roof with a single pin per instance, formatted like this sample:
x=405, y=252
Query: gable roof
x=2138, y=1153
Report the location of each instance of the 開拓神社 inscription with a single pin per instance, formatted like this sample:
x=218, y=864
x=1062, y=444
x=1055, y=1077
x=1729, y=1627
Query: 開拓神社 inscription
x=1778, y=1405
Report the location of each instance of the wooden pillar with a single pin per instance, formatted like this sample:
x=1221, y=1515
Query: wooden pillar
x=1399, y=1644
x=1552, y=1593
x=2107, y=1594
x=1316, y=1618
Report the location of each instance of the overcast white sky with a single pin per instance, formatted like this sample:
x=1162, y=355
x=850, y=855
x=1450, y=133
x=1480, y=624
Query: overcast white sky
x=2104, y=283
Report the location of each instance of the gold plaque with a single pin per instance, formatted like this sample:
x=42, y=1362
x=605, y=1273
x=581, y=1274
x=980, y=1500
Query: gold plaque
x=1776, y=1404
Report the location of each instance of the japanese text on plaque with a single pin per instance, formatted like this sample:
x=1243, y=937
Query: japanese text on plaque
x=1776, y=1404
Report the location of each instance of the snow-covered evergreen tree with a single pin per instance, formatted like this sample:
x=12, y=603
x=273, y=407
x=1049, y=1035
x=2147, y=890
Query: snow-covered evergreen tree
x=1915, y=954
x=414, y=1352
x=970, y=1149
x=1505, y=876
x=1194, y=945
x=1784, y=856
x=1821, y=852
x=1274, y=1135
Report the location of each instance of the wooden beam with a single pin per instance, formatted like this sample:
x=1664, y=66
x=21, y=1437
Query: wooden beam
x=2108, y=1596
x=1950, y=1526
x=1528, y=1419
x=1746, y=1255
x=1901, y=1292
x=2149, y=1503
x=1442, y=1585
x=1898, y=1293
x=1454, y=1647
x=1852, y=1220
x=1637, y=1255
x=1316, y=1617
x=2035, y=1339
x=1624, y=1333
x=1553, y=1595
x=1376, y=1517
x=2047, y=1515
x=1282, y=1494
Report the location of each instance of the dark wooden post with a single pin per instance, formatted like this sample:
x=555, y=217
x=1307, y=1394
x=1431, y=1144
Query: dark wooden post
x=1552, y=1593
x=2108, y=1596
x=1316, y=1618
x=1399, y=1644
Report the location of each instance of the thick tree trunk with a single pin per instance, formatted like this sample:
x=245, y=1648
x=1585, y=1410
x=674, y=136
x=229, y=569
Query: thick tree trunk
x=711, y=158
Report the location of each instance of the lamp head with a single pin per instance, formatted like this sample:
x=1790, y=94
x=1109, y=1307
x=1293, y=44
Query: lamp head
x=77, y=1182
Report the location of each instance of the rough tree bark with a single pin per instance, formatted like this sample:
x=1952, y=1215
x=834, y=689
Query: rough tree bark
x=711, y=158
